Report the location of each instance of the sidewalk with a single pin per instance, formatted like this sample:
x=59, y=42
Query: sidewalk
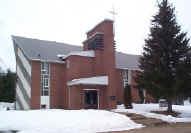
x=156, y=126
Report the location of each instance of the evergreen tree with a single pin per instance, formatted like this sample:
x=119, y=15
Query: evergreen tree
x=166, y=59
x=7, y=86
x=127, y=97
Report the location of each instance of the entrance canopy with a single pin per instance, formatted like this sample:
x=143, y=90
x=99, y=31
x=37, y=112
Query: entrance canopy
x=99, y=80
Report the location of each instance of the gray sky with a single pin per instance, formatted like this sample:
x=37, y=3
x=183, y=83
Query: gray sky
x=68, y=20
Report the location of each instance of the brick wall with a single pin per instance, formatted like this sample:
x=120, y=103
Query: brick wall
x=57, y=85
x=35, y=85
x=79, y=67
x=105, y=60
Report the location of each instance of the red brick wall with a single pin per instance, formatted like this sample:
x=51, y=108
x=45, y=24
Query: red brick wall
x=57, y=86
x=35, y=85
x=80, y=67
x=120, y=89
x=75, y=98
x=105, y=60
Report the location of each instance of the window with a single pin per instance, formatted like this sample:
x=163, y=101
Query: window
x=96, y=43
x=125, y=77
x=45, y=76
x=67, y=64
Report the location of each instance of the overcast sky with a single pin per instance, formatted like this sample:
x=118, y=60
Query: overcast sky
x=68, y=21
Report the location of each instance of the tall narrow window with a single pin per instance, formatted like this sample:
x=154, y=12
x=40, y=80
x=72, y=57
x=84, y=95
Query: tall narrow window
x=125, y=77
x=45, y=76
x=67, y=64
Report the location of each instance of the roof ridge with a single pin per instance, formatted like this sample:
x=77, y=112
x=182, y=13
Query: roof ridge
x=13, y=36
x=128, y=53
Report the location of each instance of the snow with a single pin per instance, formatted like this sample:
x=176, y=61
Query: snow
x=4, y=106
x=65, y=121
x=187, y=102
x=145, y=109
x=89, y=53
x=99, y=80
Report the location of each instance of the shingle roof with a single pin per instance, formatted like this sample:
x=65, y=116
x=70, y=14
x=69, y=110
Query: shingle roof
x=127, y=61
x=49, y=50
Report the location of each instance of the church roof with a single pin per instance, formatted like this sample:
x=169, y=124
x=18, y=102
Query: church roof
x=35, y=49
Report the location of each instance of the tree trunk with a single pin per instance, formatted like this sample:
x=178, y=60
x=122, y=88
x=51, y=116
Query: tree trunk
x=169, y=105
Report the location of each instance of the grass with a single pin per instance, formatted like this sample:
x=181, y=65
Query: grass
x=174, y=114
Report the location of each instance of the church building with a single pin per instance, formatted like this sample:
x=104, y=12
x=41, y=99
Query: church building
x=62, y=76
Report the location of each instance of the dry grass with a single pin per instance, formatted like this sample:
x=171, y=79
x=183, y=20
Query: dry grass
x=174, y=114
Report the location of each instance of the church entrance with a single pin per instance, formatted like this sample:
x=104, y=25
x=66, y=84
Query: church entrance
x=91, y=99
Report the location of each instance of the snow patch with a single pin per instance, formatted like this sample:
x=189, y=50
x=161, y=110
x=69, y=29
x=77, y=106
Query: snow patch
x=99, y=80
x=89, y=53
x=66, y=121
x=5, y=105
x=145, y=109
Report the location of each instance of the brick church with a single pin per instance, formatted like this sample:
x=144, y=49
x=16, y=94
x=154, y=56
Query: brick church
x=58, y=75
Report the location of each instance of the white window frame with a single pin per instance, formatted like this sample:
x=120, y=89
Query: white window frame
x=67, y=64
x=45, y=78
x=125, y=77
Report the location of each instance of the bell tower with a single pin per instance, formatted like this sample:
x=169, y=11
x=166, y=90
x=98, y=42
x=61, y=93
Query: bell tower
x=101, y=40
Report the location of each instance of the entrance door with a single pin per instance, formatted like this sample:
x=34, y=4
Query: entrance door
x=91, y=99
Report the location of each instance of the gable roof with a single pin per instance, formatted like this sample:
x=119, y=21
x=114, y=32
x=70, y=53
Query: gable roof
x=48, y=50
x=127, y=61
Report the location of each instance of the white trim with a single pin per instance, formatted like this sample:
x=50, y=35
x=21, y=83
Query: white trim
x=69, y=93
x=125, y=77
x=90, y=89
x=99, y=80
x=22, y=100
x=51, y=61
x=129, y=76
x=97, y=33
x=26, y=86
x=17, y=106
x=24, y=61
x=89, y=53
x=45, y=100
x=98, y=91
x=126, y=68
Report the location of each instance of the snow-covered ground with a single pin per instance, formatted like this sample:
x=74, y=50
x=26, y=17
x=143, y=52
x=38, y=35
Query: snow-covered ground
x=65, y=121
x=4, y=106
x=187, y=102
x=145, y=109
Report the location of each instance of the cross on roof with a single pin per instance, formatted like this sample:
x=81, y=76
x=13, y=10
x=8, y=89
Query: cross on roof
x=113, y=13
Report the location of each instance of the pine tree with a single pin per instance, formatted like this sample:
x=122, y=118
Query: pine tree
x=166, y=61
x=7, y=86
